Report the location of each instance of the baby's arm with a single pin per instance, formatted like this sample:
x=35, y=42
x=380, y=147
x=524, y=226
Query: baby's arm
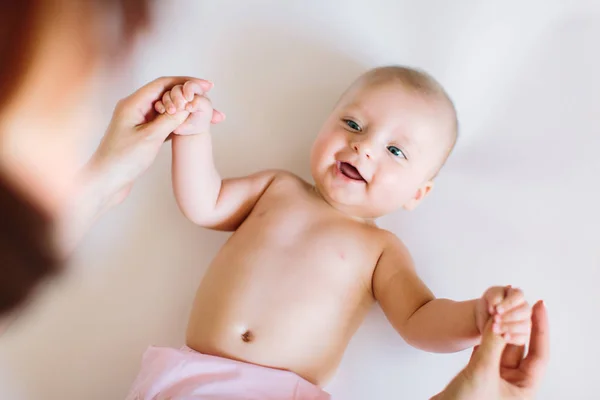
x=441, y=325
x=202, y=195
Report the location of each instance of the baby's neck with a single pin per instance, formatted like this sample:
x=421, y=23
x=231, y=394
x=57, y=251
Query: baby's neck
x=340, y=210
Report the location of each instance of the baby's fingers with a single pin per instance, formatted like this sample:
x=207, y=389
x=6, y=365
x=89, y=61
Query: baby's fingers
x=190, y=89
x=217, y=117
x=160, y=107
x=514, y=332
x=199, y=104
x=177, y=97
x=514, y=298
x=513, y=328
x=494, y=296
x=516, y=339
x=203, y=104
x=521, y=313
x=168, y=103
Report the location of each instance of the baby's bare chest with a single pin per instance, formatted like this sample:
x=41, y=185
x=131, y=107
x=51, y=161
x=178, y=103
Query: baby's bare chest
x=289, y=232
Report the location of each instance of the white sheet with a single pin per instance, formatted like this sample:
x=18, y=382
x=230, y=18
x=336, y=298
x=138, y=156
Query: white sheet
x=517, y=203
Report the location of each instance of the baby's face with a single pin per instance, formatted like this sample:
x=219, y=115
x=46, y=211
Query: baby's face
x=379, y=150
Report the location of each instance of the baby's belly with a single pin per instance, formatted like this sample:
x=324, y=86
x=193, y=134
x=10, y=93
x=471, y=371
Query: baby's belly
x=269, y=345
x=297, y=320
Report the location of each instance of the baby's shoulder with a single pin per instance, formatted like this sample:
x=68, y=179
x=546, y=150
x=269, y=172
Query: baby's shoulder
x=285, y=180
x=286, y=176
x=391, y=243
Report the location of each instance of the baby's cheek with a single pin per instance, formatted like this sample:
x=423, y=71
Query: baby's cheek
x=319, y=147
x=385, y=197
x=392, y=184
x=326, y=149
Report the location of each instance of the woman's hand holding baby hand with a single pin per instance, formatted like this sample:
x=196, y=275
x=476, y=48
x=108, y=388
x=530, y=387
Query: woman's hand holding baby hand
x=499, y=372
x=510, y=311
x=189, y=98
x=131, y=143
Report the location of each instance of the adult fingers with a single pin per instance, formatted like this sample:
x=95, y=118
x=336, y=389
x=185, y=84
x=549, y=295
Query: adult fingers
x=512, y=356
x=133, y=108
x=473, y=352
x=153, y=90
x=539, y=343
x=489, y=354
x=163, y=125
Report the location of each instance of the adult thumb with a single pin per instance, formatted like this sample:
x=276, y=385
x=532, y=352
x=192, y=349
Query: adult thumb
x=489, y=353
x=162, y=126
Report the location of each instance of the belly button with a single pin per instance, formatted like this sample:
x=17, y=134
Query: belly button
x=247, y=337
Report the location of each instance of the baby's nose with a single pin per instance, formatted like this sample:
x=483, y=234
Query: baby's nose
x=362, y=148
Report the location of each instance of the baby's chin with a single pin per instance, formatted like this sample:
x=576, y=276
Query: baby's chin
x=364, y=211
x=357, y=206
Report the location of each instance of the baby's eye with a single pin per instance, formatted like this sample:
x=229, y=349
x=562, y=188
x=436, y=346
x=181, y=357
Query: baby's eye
x=353, y=125
x=396, y=151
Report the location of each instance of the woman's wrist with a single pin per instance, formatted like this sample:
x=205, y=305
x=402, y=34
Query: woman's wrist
x=101, y=179
x=94, y=188
x=94, y=193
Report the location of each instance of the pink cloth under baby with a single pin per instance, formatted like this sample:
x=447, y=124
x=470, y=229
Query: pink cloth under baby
x=169, y=374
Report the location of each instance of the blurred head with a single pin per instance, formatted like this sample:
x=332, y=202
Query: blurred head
x=49, y=49
x=384, y=142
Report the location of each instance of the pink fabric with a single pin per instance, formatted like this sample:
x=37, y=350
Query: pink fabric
x=169, y=374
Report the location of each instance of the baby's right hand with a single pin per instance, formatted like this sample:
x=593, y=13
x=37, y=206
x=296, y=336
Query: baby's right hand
x=189, y=98
x=511, y=313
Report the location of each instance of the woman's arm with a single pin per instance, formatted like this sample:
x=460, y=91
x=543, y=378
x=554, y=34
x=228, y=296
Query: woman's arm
x=92, y=196
x=134, y=136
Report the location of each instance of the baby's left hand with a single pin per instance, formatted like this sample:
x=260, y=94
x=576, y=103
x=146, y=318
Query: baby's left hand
x=191, y=98
x=511, y=313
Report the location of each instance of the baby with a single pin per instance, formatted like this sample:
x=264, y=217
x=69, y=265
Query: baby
x=284, y=296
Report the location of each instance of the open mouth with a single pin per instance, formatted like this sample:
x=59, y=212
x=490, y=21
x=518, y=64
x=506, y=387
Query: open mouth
x=350, y=171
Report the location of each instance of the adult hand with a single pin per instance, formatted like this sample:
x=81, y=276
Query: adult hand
x=498, y=371
x=136, y=133
x=129, y=146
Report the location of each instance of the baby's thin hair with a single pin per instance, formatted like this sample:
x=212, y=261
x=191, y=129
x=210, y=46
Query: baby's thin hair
x=421, y=82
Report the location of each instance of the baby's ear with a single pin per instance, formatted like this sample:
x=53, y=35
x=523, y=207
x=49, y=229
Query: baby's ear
x=420, y=194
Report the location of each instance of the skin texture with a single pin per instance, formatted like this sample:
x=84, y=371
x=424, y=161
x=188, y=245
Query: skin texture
x=305, y=263
x=42, y=151
x=129, y=147
x=498, y=371
x=49, y=50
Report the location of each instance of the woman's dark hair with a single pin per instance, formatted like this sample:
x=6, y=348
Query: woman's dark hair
x=26, y=253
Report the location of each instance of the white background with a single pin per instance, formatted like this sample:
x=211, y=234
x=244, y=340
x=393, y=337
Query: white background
x=517, y=203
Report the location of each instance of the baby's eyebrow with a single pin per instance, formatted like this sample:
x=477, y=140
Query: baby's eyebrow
x=402, y=137
x=353, y=107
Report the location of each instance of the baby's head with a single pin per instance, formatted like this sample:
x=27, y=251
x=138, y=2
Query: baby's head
x=384, y=142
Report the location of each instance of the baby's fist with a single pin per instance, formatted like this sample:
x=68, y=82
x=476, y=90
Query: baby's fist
x=510, y=311
x=189, y=98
